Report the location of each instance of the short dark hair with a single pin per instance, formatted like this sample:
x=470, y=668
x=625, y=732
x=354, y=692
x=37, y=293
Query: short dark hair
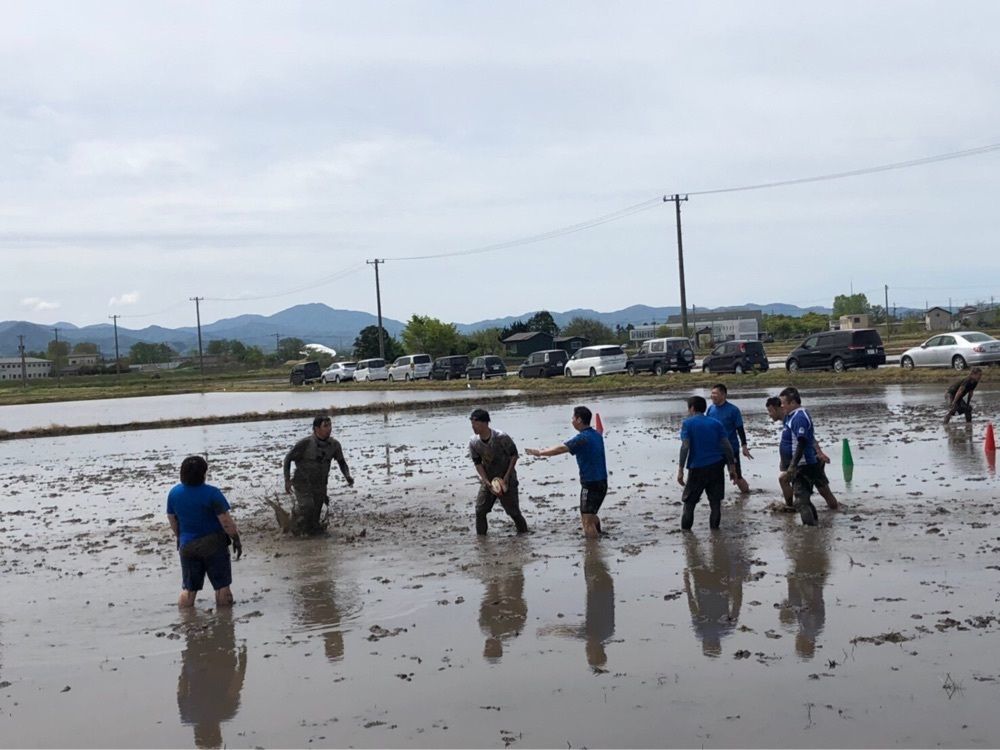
x=721, y=387
x=193, y=471
x=773, y=401
x=976, y=371
x=480, y=415
x=583, y=413
x=697, y=403
x=791, y=394
x=320, y=419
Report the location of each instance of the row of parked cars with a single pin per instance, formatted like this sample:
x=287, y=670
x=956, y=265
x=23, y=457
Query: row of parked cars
x=829, y=350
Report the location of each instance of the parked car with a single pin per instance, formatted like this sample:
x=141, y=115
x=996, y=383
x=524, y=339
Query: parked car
x=339, y=371
x=410, y=367
x=449, y=368
x=305, y=373
x=737, y=357
x=596, y=360
x=660, y=355
x=958, y=350
x=838, y=351
x=371, y=369
x=489, y=366
x=544, y=364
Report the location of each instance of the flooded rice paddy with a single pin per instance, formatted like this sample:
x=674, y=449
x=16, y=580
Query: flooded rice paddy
x=402, y=629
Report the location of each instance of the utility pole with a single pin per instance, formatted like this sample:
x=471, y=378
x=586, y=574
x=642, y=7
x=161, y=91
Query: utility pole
x=378, y=302
x=887, y=328
x=118, y=361
x=201, y=356
x=277, y=342
x=24, y=366
x=680, y=258
x=58, y=368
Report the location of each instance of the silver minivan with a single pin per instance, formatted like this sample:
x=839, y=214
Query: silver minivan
x=371, y=369
x=596, y=360
x=411, y=367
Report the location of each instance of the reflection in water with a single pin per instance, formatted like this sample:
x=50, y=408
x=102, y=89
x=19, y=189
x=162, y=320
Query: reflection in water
x=714, y=587
x=599, y=622
x=212, y=672
x=808, y=555
x=317, y=610
x=962, y=445
x=503, y=611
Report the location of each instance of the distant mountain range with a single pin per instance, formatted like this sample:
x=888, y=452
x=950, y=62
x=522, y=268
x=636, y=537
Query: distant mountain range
x=314, y=322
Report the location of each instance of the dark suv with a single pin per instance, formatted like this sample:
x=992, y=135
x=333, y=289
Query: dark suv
x=737, y=357
x=481, y=368
x=660, y=355
x=544, y=364
x=306, y=372
x=449, y=368
x=838, y=350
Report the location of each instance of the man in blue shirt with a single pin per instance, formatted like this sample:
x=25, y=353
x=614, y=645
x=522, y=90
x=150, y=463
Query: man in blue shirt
x=588, y=447
x=199, y=517
x=732, y=419
x=775, y=412
x=705, y=450
x=804, y=469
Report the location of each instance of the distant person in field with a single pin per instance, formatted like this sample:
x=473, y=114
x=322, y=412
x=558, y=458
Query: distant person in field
x=705, y=452
x=959, y=395
x=774, y=411
x=199, y=517
x=494, y=455
x=588, y=448
x=804, y=467
x=732, y=419
x=312, y=456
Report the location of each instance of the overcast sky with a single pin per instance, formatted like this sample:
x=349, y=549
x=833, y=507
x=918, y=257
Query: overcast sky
x=257, y=154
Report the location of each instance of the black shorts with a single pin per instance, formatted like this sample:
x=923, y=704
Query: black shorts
x=818, y=474
x=218, y=568
x=708, y=479
x=592, y=494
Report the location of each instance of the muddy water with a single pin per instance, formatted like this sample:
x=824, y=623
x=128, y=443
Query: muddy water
x=190, y=405
x=402, y=629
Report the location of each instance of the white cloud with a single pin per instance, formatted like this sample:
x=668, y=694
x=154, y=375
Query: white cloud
x=129, y=298
x=36, y=304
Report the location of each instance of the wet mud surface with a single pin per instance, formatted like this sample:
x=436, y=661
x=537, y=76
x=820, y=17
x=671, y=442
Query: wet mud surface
x=402, y=629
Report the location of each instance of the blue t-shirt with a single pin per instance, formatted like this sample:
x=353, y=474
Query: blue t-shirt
x=800, y=426
x=732, y=419
x=787, y=444
x=588, y=447
x=197, y=508
x=705, y=435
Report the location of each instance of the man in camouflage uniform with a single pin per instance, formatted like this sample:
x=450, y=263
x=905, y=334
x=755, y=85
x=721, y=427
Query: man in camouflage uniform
x=494, y=455
x=312, y=456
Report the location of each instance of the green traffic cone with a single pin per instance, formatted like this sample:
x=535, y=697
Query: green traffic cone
x=848, y=459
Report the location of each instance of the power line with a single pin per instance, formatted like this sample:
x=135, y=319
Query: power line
x=856, y=172
x=321, y=282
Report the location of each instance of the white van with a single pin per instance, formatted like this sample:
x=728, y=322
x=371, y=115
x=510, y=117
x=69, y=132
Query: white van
x=371, y=369
x=596, y=360
x=411, y=367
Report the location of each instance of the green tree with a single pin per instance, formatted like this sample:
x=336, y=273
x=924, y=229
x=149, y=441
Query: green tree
x=253, y=356
x=57, y=352
x=366, y=344
x=290, y=348
x=516, y=327
x=85, y=347
x=486, y=341
x=142, y=353
x=430, y=336
x=593, y=330
x=850, y=304
x=544, y=322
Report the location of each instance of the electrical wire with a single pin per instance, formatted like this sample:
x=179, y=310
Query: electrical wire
x=312, y=285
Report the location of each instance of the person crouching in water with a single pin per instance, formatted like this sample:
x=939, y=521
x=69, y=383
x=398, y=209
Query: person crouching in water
x=494, y=455
x=588, y=448
x=959, y=395
x=199, y=517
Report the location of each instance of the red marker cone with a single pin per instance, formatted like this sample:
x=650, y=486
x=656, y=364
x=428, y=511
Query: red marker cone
x=599, y=426
x=991, y=443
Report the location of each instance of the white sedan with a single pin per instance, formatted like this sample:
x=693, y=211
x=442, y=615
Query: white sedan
x=957, y=350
